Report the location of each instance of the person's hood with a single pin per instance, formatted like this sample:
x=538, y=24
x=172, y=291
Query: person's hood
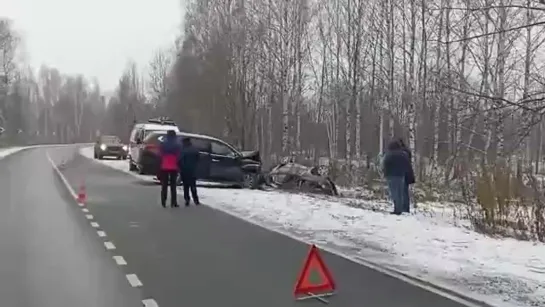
x=170, y=145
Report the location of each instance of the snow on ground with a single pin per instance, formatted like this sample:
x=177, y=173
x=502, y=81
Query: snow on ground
x=4, y=152
x=499, y=271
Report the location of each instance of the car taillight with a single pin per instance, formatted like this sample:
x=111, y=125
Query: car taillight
x=152, y=147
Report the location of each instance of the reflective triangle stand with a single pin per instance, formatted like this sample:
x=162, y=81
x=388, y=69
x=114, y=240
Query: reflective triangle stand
x=320, y=297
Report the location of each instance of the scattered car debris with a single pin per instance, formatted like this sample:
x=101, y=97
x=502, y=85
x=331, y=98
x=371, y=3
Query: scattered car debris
x=294, y=176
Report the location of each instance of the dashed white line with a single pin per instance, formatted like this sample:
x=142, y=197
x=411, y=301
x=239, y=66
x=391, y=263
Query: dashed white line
x=95, y=224
x=120, y=260
x=85, y=210
x=109, y=245
x=133, y=280
x=81, y=204
x=101, y=233
x=150, y=303
x=89, y=216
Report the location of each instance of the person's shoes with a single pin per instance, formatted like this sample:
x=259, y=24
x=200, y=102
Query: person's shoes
x=197, y=202
x=187, y=203
x=164, y=206
x=396, y=213
x=174, y=206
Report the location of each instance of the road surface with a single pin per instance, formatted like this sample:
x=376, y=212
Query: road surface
x=200, y=257
x=49, y=255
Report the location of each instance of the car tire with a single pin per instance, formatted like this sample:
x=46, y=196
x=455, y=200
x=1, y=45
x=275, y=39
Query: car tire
x=249, y=181
x=100, y=157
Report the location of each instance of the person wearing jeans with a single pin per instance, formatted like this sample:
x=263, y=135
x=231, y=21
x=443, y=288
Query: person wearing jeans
x=169, y=153
x=189, y=160
x=396, y=166
x=409, y=178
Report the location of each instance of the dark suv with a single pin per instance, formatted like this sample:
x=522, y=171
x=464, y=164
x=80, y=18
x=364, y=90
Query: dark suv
x=219, y=161
x=110, y=145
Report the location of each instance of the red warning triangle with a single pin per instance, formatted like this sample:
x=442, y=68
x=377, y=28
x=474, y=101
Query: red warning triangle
x=315, y=277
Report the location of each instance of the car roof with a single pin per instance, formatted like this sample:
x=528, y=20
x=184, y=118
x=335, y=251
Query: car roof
x=158, y=127
x=191, y=135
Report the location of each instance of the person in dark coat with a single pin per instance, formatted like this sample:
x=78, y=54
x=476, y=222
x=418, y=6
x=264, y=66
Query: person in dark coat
x=188, y=167
x=169, y=153
x=409, y=178
x=396, y=166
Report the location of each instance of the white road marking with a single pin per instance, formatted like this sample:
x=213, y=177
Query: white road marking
x=89, y=216
x=95, y=224
x=150, y=303
x=81, y=204
x=109, y=245
x=63, y=179
x=133, y=280
x=101, y=233
x=120, y=260
x=85, y=210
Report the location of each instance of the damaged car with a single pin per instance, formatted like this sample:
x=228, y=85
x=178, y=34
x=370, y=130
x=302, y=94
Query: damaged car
x=298, y=177
x=219, y=162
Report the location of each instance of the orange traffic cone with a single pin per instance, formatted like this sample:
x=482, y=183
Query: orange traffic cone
x=82, y=195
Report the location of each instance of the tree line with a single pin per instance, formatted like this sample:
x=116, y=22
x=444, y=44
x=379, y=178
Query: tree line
x=458, y=80
x=319, y=80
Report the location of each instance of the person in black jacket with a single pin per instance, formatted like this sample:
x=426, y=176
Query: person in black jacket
x=189, y=159
x=409, y=178
x=396, y=166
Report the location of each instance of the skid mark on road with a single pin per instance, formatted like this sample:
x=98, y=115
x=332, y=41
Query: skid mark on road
x=133, y=279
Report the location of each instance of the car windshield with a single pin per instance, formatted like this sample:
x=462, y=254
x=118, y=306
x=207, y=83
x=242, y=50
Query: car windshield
x=110, y=139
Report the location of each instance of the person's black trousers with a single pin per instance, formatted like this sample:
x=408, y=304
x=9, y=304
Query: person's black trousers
x=190, y=184
x=168, y=179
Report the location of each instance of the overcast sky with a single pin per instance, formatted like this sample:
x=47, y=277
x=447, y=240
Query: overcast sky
x=95, y=38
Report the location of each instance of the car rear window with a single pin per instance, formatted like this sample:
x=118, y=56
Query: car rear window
x=201, y=144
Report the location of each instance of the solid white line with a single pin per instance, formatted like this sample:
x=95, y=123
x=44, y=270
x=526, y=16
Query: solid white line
x=95, y=224
x=85, y=210
x=133, y=280
x=150, y=303
x=89, y=216
x=101, y=233
x=109, y=245
x=63, y=179
x=120, y=260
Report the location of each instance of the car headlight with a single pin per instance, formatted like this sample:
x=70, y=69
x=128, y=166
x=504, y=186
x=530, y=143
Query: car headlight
x=102, y=147
x=125, y=148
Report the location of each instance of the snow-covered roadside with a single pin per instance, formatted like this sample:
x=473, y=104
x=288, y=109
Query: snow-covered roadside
x=502, y=272
x=4, y=152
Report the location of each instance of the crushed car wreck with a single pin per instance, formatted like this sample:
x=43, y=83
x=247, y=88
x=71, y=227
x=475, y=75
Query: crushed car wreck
x=294, y=176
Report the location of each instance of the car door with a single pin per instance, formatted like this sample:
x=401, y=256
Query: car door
x=203, y=166
x=225, y=163
x=136, y=147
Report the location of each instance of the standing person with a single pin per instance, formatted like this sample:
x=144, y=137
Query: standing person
x=396, y=165
x=188, y=166
x=409, y=178
x=170, y=153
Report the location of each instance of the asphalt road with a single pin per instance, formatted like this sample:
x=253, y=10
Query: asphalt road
x=49, y=255
x=200, y=257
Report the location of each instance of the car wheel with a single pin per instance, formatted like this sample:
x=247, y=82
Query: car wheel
x=100, y=157
x=249, y=181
